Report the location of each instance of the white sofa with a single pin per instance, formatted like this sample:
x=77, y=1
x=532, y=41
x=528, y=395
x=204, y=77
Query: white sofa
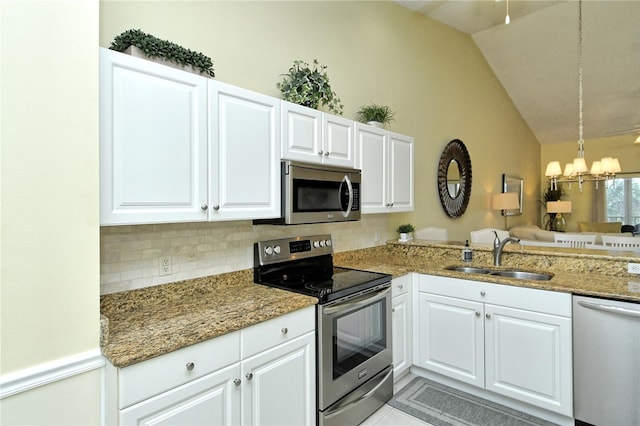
x=531, y=234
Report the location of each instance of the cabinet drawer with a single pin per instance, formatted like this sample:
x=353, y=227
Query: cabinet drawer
x=152, y=377
x=400, y=285
x=265, y=335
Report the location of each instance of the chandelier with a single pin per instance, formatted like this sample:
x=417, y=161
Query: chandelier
x=577, y=171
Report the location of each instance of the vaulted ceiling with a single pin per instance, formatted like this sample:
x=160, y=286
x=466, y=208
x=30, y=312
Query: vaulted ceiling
x=535, y=58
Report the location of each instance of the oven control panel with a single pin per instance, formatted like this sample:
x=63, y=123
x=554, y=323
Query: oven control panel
x=285, y=249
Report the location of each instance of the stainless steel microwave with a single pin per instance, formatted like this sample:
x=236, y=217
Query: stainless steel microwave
x=317, y=194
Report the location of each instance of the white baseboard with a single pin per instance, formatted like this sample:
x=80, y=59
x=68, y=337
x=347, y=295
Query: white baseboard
x=42, y=374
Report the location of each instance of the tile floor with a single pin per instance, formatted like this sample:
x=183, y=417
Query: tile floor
x=389, y=416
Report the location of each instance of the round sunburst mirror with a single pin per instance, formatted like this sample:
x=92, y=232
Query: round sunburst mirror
x=454, y=178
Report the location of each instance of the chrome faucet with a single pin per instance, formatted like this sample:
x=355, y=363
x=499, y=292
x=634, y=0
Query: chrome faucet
x=498, y=247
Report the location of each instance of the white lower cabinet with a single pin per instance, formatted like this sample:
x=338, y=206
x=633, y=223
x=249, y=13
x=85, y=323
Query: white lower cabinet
x=509, y=340
x=451, y=337
x=279, y=385
x=212, y=399
x=402, y=325
x=261, y=375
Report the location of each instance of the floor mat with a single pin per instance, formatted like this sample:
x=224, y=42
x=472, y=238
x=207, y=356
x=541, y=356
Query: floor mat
x=441, y=405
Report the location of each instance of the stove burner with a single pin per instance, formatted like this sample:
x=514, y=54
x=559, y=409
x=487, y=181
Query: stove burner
x=293, y=281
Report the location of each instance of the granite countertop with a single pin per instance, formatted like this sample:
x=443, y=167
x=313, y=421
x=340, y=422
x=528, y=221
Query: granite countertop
x=580, y=272
x=141, y=324
x=152, y=321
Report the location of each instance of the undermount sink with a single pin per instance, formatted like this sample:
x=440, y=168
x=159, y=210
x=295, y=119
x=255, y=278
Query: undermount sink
x=468, y=269
x=521, y=275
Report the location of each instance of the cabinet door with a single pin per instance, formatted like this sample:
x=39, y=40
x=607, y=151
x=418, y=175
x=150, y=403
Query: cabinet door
x=278, y=385
x=338, y=141
x=401, y=172
x=213, y=400
x=451, y=336
x=401, y=331
x=301, y=133
x=153, y=149
x=371, y=158
x=528, y=357
x=244, y=163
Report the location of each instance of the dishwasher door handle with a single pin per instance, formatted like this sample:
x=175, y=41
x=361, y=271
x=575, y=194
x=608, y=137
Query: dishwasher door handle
x=611, y=309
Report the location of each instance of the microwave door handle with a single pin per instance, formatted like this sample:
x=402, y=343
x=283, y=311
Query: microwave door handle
x=350, y=187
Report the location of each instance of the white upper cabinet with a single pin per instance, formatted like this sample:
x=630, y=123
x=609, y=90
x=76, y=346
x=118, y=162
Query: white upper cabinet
x=386, y=161
x=178, y=147
x=153, y=142
x=312, y=136
x=400, y=172
x=244, y=158
x=338, y=141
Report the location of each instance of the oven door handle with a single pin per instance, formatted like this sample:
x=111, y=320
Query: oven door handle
x=356, y=303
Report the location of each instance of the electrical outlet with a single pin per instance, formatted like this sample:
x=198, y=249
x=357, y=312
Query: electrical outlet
x=633, y=268
x=165, y=265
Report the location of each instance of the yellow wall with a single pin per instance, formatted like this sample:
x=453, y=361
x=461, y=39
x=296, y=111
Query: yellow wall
x=49, y=182
x=582, y=204
x=433, y=76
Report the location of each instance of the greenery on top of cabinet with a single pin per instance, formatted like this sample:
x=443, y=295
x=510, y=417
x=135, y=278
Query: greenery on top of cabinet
x=373, y=112
x=309, y=86
x=157, y=48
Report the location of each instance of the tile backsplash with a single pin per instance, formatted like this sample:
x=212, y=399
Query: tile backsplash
x=130, y=255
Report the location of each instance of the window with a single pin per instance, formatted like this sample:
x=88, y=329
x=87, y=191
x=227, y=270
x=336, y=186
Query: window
x=622, y=202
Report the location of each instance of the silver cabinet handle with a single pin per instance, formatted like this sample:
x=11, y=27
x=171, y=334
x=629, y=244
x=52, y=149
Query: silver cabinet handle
x=321, y=153
x=237, y=382
x=488, y=316
x=204, y=207
x=326, y=153
x=400, y=286
x=393, y=309
x=249, y=376
x=477, y=314
x=216, y=207
x=482, y=293
x=190, y=366
x=284, y=330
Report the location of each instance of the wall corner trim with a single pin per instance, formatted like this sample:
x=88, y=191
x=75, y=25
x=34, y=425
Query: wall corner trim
x=43, y=374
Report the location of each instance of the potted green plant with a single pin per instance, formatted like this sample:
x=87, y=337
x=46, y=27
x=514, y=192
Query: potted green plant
x=308, y=85
x=405, y=232
x=376, y=115
x=171, y=53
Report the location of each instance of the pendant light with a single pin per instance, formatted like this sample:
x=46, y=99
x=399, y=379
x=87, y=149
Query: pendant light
x=577, y=171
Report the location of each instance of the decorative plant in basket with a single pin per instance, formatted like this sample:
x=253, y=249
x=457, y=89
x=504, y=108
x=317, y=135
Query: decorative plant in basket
x=308, y=85
x=375, y=113
x=157, y=48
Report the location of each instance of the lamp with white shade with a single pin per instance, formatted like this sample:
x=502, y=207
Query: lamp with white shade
x=505, y=201
x=559, y=207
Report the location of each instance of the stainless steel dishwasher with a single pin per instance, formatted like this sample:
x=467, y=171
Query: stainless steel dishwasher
x=606, y=362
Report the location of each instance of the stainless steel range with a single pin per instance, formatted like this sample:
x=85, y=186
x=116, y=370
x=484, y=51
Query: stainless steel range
x=353, y=333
